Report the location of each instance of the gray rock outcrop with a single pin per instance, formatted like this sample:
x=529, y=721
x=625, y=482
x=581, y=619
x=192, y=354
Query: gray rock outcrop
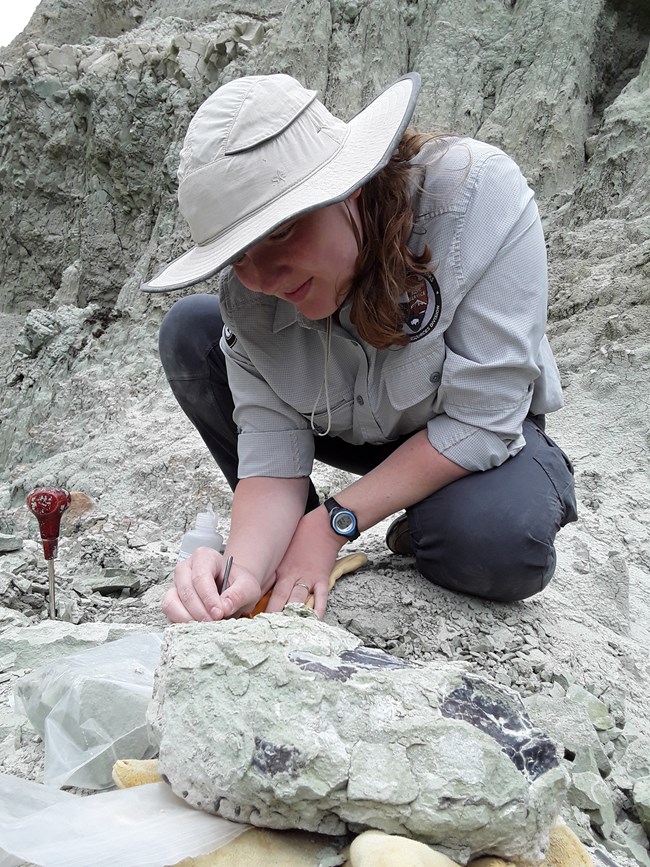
x=93, y=125
x=286, y=722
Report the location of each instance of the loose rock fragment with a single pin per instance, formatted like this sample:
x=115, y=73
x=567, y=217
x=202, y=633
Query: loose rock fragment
x=114, y=581
x=569, y=724
x=590, y=793
x=9, y=542
x=641, y=801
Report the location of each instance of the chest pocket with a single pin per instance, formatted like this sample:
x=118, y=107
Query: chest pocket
x=414, y=382
x=340, y=414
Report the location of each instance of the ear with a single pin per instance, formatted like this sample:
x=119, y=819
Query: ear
x=355, y=195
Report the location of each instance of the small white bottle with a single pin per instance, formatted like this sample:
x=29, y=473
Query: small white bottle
x=204, y=534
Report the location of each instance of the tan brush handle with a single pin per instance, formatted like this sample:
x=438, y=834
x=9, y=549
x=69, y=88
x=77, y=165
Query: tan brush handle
x=343, y=566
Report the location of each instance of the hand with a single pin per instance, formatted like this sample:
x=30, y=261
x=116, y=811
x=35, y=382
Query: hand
x=195, y=596
x=306, y=566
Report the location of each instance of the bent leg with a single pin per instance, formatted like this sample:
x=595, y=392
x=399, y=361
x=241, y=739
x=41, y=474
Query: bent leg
x=196, y=371
x=492, y=534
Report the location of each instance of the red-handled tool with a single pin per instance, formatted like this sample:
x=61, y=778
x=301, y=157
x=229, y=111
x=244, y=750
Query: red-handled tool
x=48, y=504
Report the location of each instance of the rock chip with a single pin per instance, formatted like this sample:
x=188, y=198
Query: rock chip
x=287, y=722
x=569, y=724
x=589, y=792
x=641, y=801
x=596, y=709
x=9, y=542
x=113, y=581
x=52, y=639
x=634, y=764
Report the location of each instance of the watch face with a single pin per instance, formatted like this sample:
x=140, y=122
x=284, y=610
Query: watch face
x=345, y=523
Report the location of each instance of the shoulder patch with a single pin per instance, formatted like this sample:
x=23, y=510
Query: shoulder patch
x=229, y=336
x=422, y=307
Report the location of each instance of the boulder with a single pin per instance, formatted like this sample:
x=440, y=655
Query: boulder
x=286, y=722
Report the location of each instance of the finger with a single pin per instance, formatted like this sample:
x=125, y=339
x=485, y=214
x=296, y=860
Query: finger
x=232, y=601
x=242, y=593
x=200, y=594
x=173, y=608
x=343, y=566
x=277, y=601
x=284, y=592
x=238, y=604
x=320, y=599
x=190, y=585
x=279, y=594
x=261, y=606
x=300, y=592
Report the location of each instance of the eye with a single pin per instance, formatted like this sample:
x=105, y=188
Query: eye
x=281, y=233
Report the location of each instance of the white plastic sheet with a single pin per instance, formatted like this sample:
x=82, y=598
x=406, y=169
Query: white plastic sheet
x=90, y=709
x=146, y=826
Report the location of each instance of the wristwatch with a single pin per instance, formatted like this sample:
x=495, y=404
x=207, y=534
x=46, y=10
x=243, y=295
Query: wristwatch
x=343, y=521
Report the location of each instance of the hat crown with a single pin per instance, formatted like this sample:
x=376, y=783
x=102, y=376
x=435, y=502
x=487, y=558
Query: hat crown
x=241, y=115
x=281, y=98
x=250, y=143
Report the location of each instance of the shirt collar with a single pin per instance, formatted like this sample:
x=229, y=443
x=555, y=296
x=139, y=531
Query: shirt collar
x=286, y=314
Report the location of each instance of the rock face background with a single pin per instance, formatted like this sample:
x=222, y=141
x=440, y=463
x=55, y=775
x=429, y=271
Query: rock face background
x=95, y=98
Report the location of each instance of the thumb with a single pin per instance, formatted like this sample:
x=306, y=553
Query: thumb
x=242, y=592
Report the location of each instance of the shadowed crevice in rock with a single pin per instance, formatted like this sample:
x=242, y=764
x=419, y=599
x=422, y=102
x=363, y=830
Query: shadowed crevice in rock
x=623, y=40
x=351, y=662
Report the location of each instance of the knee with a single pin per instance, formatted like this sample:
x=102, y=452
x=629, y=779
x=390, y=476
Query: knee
x=505, y=566
x=191, y=326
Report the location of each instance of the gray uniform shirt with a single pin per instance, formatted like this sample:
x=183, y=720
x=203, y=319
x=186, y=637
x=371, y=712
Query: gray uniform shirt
x=477, y=360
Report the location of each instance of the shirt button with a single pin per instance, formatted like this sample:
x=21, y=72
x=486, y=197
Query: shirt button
x=360, y=400
x=434, y=378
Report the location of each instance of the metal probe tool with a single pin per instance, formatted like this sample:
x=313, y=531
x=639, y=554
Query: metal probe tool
x=48, y=504
x=226, y=574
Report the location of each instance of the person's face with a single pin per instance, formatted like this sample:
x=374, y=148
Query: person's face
x=309, y=261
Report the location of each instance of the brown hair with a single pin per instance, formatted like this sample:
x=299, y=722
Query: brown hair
x=386, y=268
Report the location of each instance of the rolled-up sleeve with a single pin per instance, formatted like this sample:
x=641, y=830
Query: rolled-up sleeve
x=274, y=440
x=493, y=343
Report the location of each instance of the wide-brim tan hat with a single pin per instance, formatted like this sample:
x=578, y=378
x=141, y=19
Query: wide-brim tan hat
x=263, y=150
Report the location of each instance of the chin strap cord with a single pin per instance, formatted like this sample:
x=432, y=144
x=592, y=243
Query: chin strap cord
x=328, y=340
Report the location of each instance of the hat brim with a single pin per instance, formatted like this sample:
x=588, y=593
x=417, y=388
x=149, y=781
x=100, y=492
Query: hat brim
x=373, y=135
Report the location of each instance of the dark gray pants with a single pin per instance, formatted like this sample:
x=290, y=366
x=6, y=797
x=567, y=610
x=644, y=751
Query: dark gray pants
x=489, y=534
